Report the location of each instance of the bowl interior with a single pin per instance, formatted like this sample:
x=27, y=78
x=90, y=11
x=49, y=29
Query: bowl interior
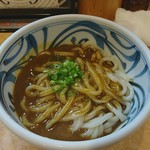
x=49, y=33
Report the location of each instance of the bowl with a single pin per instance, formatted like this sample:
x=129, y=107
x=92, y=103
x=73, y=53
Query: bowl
x=74, y=29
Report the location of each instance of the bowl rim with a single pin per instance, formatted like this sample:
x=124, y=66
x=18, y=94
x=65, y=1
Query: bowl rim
x=99, y=142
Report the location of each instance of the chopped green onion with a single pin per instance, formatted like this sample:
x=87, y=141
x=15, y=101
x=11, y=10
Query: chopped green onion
x=64, y=74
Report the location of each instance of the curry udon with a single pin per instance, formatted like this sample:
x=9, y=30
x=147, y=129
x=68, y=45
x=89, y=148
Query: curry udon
x=73, y=92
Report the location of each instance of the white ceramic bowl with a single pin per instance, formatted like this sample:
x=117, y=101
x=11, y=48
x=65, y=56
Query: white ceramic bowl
x=53, y=31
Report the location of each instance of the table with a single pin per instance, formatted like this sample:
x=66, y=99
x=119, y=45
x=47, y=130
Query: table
x=139, y=140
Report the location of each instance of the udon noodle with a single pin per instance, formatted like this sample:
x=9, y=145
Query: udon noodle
x=97, y=100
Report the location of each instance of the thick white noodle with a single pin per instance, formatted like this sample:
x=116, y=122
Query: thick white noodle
x=120, y=67
x=128, y=107
x=63, y=95
x=130, y=96
x=97, y=121
x=45, y=99
x=77, y=113
x=91, y=45
x=123, y=75
x=77, y=124
x=95, y=133
x=110, y=122
x=94, y=113
x=112, y=76
x=46, y=113
x=40, y=108
x=33, y=90
x=124, y=81
x=41, y=78
x=124, y=86
x=110, y=59
x=101, y=130
x=117, y=106
x=22, y=103
x=127, y=91
x=108, y=130
x=119, y=114
x=88, y=132
x=26, y=122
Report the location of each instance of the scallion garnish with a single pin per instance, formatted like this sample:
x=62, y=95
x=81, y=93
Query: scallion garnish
x=64, y=74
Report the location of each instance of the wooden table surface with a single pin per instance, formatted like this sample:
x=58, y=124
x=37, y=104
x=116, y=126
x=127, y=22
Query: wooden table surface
x=139, y=140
